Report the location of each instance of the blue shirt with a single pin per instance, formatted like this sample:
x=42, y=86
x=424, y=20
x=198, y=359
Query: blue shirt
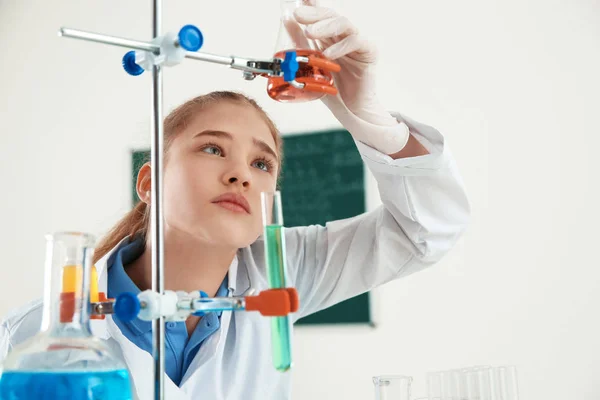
x=179, y=348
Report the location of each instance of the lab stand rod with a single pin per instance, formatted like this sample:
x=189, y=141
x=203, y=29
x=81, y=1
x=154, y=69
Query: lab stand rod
x=158, y=245
x=251, y=68
x=213, y=58
x=106, y=39
x=233, y=62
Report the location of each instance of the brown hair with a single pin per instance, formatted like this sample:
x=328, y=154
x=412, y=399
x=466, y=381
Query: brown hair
x=137, y=221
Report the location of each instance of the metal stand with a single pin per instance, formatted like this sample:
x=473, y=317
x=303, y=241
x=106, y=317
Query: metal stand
x=158, y=243
x=168, y=51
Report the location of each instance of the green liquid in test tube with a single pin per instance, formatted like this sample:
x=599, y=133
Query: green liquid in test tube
x=281, y=327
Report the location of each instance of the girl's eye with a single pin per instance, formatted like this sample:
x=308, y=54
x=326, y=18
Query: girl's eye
x=212, y=149
x=263, y=164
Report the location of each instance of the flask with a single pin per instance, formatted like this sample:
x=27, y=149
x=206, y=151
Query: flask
x=292, y=37
x=64, y=360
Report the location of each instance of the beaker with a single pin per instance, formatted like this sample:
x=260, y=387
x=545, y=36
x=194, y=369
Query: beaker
x=292, y=37
x=392, y=387
x=64, y=360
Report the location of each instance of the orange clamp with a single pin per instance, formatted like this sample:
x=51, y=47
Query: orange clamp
x=318, y=87
x=320, y=62
x=274, y=302
x=294, y=299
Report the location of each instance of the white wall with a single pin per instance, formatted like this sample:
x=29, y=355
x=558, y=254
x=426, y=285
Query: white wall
x=512, y=84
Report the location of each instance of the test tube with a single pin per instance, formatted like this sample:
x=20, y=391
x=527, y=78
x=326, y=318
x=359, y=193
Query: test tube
x=443, y=385
x=478, y=383
x=454, y=383
x=275, y=259
x=392, y=387
x=473, y=383
x=434, y=385
x=505, y=385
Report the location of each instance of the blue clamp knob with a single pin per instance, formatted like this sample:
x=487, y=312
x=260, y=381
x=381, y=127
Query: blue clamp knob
x=203, y=295
x=127, y=306
x=129, y=64
x=289, y=66
x=190, y=38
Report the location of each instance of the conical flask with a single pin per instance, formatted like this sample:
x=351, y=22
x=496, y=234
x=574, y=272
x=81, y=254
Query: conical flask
x=292, y=37
x=64, y=360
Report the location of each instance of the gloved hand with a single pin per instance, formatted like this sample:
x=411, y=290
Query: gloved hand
x=356, y=105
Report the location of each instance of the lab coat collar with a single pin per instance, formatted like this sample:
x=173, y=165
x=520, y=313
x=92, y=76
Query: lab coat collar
x=239, y=279
x=141, y=366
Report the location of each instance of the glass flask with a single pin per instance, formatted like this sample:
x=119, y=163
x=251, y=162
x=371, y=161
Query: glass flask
x=392, y=387
x=64, y=360
x=292, y=37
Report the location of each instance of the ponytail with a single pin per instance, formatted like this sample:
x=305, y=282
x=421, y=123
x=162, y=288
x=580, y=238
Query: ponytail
x=136, y=221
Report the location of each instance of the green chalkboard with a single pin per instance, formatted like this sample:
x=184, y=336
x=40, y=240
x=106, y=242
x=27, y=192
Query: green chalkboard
x=138, y=158
x=322, y=180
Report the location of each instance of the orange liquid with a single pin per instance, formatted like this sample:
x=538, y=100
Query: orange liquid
x=280, y=90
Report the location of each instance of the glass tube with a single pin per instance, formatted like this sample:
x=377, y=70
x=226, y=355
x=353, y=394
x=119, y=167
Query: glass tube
x=274, y=242
x=473, y=383
x=505, y=385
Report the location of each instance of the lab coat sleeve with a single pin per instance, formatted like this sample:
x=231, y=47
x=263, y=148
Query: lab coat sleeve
x=424, y=211
x=4, y=342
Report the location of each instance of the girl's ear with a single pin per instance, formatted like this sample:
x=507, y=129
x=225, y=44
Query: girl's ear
x=144, y=183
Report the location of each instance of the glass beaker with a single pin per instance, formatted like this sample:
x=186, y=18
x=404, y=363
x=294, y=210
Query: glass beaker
x=392, y=387
x=292, y=37
x=64, y=360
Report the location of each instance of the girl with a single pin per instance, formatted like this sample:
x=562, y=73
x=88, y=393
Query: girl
x=221, y=152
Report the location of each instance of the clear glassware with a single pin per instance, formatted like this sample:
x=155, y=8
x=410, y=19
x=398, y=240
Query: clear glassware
x=64, y=360
x=473, y=383
x=292, y=37
x=274, y=242
x=392, y=387
x=504, y=383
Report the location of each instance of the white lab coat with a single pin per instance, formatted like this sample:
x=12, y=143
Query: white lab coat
x=424, y=211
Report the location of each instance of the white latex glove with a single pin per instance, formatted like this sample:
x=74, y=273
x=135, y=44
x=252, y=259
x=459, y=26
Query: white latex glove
x=356, y=105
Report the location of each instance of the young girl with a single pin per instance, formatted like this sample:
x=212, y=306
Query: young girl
x=221, y=152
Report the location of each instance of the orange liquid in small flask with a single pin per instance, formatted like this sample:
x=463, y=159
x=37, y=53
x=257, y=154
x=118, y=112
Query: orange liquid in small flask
x=292, y=37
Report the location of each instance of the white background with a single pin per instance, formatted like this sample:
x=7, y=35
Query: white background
x=512, y=84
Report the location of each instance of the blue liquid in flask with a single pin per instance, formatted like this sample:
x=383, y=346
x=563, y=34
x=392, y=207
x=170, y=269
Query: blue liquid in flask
x=96, y=385
x=64, y=360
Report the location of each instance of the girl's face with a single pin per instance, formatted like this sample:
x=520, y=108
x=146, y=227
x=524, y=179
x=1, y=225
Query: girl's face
x=216, y=169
